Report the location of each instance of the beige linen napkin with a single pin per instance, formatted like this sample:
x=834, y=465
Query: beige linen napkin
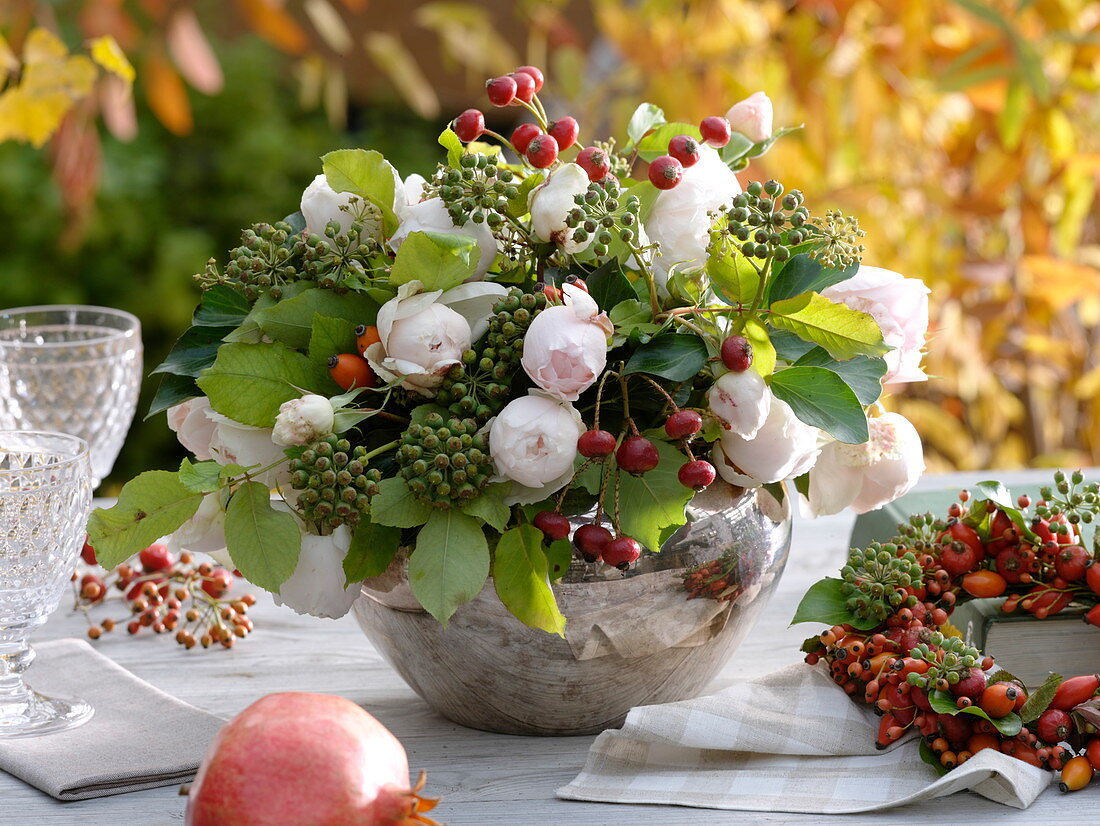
x=138, y=738
x=789, y=742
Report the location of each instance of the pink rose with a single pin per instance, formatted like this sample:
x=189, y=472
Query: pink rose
x=866, y=476
x=752, y=117
x=900, y=306
x=193, y=428
x=565, y=348
x=741, y=402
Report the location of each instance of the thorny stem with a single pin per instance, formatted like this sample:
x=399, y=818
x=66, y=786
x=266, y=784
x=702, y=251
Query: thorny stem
x=626, y=404
x=615, y=520
x=662, y=391
x=599, y=398
x=605, y=475
x=651, y=283
x=576, y=475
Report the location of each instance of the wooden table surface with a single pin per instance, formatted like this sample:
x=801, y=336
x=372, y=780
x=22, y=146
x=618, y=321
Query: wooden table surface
x=484, y=779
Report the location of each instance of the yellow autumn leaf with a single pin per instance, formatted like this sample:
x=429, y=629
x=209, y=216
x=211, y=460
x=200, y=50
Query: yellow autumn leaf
x=31, y=118
x=1058, y=282
x=106, y=52
x=42, y=46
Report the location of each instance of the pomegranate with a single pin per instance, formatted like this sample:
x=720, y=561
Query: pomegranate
x=297, y=758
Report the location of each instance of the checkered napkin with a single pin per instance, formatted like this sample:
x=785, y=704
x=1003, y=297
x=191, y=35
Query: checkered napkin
x=789, y=742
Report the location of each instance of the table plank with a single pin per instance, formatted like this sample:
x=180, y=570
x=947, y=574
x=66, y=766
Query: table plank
x=484, y=779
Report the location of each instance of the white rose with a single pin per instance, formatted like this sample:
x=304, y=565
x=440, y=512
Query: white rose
x=317, y=585
x=304, y=420
x=241, y=444
x=552, y=200
x=412, y=191
x=866, y=476
x=900, y=307
x=679, y=221
x=192, y=426
x=783, y=448
x=741, y=402
x=204, y=532
x=533, y=443
x=565, y=348
x=431, y=216
x=322, y=204
x=752, y=117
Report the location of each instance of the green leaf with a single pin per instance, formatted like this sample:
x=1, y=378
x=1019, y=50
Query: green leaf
x=863, y=373
x=842, y=331
x=559, y=555
x=194, y=351
x=372, y=549
x=931, y=758
x=450, y=563
x=631, y=317
x=999, y=495
x=489, y=507
x=732, y=274
x=738, y=147
x=173, y=390
x=788, y=346
x=364, y=173
x=763, y=352
x=330, y=337
x=654, y=501
x=396, y=506
x=522, y=580
x=656, y=142
x=201, y=477
x=824, y=603
x=248, y=382
x=149, y=506
x=449, y=141
x=944, y=703
x=820, y=398
x=801, y=274
x=291, y=320
x=263, y=543
x=1039, y=700
x=438, y=260
x=1002, y=676
x=811, y=645
x=672, y=356
x=646, y=117
x=608, y=286
x=518, y=206
x=222, y=306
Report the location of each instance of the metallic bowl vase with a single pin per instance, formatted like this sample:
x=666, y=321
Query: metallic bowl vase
x=630, y=640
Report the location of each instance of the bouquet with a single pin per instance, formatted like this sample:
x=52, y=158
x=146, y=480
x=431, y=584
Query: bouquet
x=446, y=369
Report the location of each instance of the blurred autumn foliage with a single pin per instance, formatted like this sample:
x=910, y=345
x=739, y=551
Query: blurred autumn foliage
x=964, y=135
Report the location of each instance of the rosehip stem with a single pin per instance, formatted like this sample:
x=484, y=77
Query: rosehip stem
x=539, y=116
x=599, y=398
x=535, y=100
x=503, y=140
x=679, y=319
x=651, y=283
x=675, y=407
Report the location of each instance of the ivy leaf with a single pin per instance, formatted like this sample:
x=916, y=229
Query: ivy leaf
x=802, y=274
x=450, y=563
x=650, y=503
x=672, y=356
x=1039, y=700
x=842, y=331
x=149, y=506
x=329, y=337
x=820, y=398
x=291, y=320
x=248, y=382
x=222, y=306
x=522, y=580
x=646, y=117
x=439, y=260
x=364, y=173
x=263, y=543
x=203, y=477
x=824, y=603
x=489, y=507
x=372, y=549
x=863, y=373
x=396, y=506
x=732, y=274
x=944, y=703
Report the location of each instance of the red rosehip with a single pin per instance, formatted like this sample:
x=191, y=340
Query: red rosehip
x=522, y=136
x=665, y=172
x=219, y=581
x=737, y=353
x=157, y=558
x=596, y=443
x=542, y=151
x=590, y=540
x=350, y=370
x=92, y=588
x=87, y=553
x=715, y=130
x=553, y=525
x=501, y=90
x=525, y=86
x=1071, y=562
x=696, y=475
x=470, y=125
x=685, y=149
x=637, y=455
x=536, y=75
x=595, y=162
x=564, y=131
x=683, y=423
x=622, y=552
x=1055, y=725
x=577, y=281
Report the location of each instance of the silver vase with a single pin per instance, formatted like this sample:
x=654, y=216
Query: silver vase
x=630, y=640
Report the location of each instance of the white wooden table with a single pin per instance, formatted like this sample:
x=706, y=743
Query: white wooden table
x=484, y=779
